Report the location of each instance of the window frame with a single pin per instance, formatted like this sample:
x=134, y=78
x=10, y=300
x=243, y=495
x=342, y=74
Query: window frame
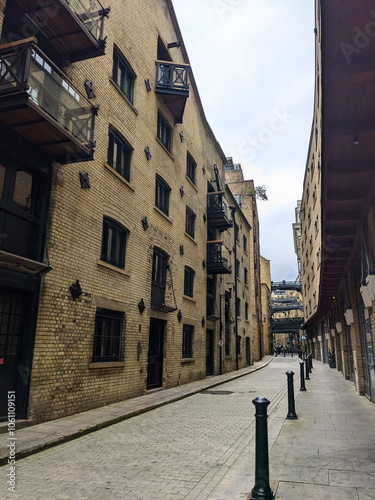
x=190, y=218
x=162, y=195
x=117, y=247
x=164, y=132
x=108, y=334
x=187, y=340
x=125, y=83
x=189, y=275
x=191, y=168
x=124, y=152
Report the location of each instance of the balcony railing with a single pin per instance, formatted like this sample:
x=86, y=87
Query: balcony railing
x=172, y=84
x=41, y=104
x=75, y=27
x=217, y=258
x=217, y=211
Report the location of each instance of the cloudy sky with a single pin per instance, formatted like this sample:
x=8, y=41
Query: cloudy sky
x=253, y=61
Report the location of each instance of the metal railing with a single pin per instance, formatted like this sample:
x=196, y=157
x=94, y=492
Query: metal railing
x=172, y=76
x=217, y=253
x=92, y=15
x=25, y=69
x=216, y=204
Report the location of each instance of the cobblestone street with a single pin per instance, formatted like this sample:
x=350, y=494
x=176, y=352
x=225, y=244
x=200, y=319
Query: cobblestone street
x=199, y=448
x=202, y=447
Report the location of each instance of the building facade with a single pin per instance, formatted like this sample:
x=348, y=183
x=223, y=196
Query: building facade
x=114, y=215
x=265, y=287
x=337, y=207
x=245, y=195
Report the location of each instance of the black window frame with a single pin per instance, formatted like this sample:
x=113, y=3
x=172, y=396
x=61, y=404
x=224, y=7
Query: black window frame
x=190, y=222
x=246, y=310
x=238, y=307
x=117, y=247
x=187, y=340
x=189, y=275
x=159, y=277
x=126, y=83
x=162, y=195
x=246, y=275
x=164, y=132
x=108, y=336
x=124, y=153
x=191, y=167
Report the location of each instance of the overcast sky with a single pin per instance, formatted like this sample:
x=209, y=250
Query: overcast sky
x=253, y=61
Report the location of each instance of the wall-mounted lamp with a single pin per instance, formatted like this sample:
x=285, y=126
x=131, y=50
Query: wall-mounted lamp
x=141, y=306
x=179, y=315
x=89, y=89
x=182, y=137
x=84, y=180
x=355, y=139
x=75, y=290
x=147, y=85
x=182, y=250
x=182, y=192
x=148, y=153
x=144, y=223
x=204, y=264
x=203, y=321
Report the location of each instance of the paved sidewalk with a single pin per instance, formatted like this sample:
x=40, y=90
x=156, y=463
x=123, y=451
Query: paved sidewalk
x=35, y=438
x=329, y=452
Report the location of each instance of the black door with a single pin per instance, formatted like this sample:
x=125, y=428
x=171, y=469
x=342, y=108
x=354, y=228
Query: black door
x=209, y=352
x=155, y=354
x=15, y=350
x=248, y=350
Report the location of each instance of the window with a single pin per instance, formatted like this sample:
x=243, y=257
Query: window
x=245, y=242
x=162, y=195
x=187, y=341
x=210, y=296
x=190, y=167
x=108, y=336
x=119, y=154
x=245, y=276
x=164, y=132
x=237, y=269
x=190, y=222
x=113, y=243
x=159, y=277
x=237, y=232
x=189, y=281
x=246, y=310
x=238, y=307
x=123, y=76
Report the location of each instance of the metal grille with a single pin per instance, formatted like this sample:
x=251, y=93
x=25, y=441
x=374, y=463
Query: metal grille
x=10, y=320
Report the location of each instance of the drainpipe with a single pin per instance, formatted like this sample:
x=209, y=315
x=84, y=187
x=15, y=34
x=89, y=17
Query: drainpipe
x=233, y=212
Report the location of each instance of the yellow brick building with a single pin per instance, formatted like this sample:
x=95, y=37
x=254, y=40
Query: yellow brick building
x=114, y=210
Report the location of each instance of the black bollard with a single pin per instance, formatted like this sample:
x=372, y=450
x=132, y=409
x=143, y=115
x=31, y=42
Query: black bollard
x=307, y=369
x=301, y=369
x=291, y=406
x=261, y=490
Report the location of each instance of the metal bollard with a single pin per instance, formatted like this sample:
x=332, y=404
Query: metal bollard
x=291, y=405
x=301, y=369
x=307, y=369
x=262, y=489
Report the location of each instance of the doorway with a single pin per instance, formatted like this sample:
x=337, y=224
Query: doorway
x=155, y=354
x=210, y=352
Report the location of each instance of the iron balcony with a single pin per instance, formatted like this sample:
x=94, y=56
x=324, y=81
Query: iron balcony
x=217, y=211
x=172, y=85
x=38, y=102
x=217, y=258
x=75, y=27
